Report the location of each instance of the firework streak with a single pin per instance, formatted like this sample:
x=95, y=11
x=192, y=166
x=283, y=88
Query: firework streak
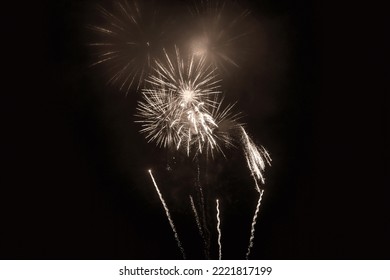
x=168, y=215
x=256, y=160
x=254, y=224
x=256, y=157
x=196, y=217
x=219, y=232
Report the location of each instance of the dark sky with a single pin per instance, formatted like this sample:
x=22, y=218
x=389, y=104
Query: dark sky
x=74, y=182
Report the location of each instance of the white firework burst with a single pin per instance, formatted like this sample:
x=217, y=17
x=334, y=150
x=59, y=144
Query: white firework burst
x=218, y=34
x=127, y=42
x=182, y=108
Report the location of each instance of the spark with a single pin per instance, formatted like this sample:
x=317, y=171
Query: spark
x=182, y=109
x=252, y=237
x=168, y=215
x=219, y=232
x=127, y=42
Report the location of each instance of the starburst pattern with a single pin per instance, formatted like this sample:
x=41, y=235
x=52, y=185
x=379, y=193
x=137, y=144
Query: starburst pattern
x=217, y=34
x=127, y=42
x=182, y=108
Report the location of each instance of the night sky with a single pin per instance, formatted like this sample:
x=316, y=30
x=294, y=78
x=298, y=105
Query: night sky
x=74, y=181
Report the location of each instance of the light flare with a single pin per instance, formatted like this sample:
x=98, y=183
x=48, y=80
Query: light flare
x=218, y=35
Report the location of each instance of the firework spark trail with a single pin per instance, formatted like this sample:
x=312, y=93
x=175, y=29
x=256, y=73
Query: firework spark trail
x=254, y=224
x=196, y=217
x=256, y=158
x=219, y=231
x=206, y=233
x=199, y=227
x=168, y=215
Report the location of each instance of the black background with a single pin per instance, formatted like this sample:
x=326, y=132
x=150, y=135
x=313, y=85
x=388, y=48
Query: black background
x=74, y=182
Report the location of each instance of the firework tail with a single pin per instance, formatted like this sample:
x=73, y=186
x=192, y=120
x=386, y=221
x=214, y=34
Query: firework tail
x=196, y=217
x=252, y=237
x=219, y=232
x=256, y=158
x=168, y=215
x=205, y=246
x=206, y=232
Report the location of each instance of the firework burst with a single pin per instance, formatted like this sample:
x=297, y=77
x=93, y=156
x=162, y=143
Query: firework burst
x=182, y=108
x=127, y=42
x=217, y=34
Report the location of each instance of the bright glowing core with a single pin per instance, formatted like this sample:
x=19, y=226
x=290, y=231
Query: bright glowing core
x=187, y=95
